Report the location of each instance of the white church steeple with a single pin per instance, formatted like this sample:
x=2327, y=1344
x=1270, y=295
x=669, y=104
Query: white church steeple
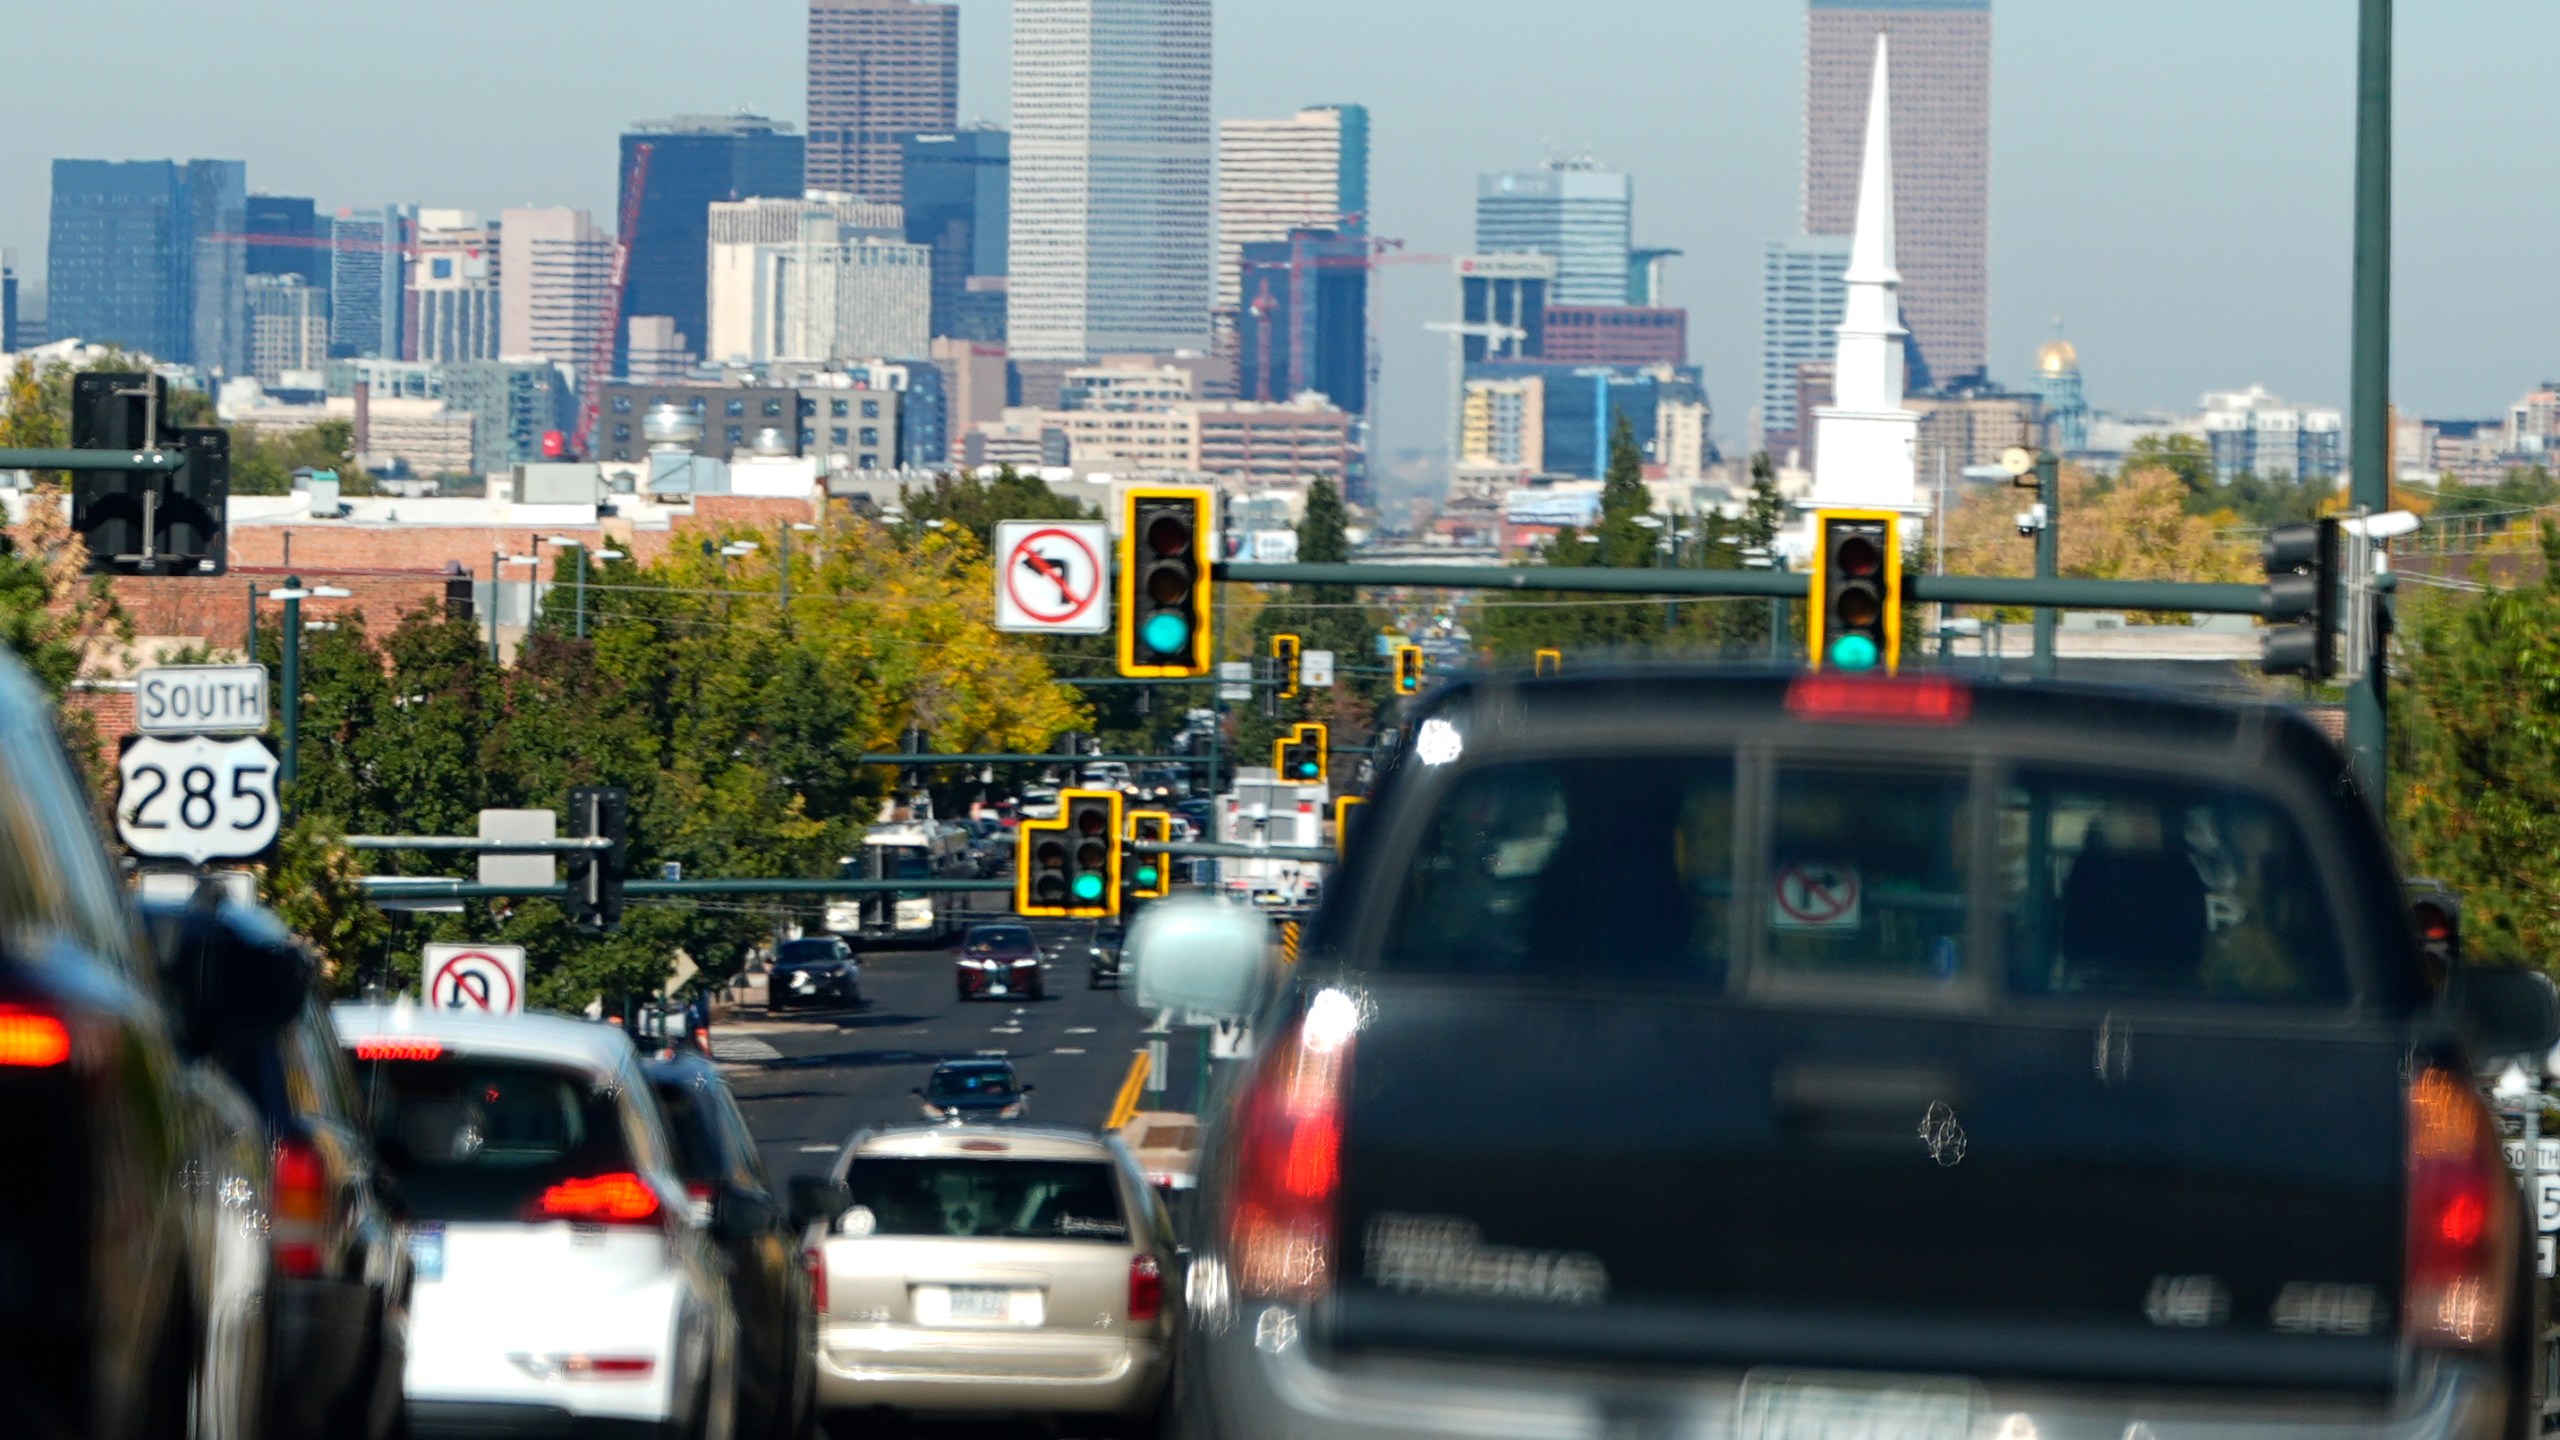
x=1865, y=440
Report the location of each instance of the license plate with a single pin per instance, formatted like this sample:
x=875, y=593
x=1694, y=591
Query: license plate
x=426, y=1254
x=996, y=989
x=978, y=1305
x=1801, y=1407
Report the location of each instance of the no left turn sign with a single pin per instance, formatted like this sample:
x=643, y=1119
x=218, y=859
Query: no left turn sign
x=479, y=979
x=1811, y=895
x=1050, y=577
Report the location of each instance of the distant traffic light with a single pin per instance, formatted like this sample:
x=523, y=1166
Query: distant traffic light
x=1857, y=591
x=148, y=522
x=1165, y=535
x=1040, y=867
x=2301, y=601
x=1300, y=755
x=1286, y=649
x=595, y=876
x=1550, y=662
x=1093, y=852
x=1150, y=872
x=1343, y=805
x=2437, y=913
x=1408, y=669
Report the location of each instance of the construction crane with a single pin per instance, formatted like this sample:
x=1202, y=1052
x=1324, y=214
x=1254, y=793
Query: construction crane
x=600, y=358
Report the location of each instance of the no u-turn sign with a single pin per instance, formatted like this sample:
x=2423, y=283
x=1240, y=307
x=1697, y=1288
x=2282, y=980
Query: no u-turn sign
x=475, y=979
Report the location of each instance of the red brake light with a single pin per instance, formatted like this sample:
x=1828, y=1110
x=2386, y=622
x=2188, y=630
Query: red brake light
x=301, y=1207
x=2461, y=1241
x=1146, y=1290
x=380, y=1049
x=621, y=1198
x=1289, y=1158
x=1934, y=700
x=31, y=1040
x=613, y=1367
x=814, y=1261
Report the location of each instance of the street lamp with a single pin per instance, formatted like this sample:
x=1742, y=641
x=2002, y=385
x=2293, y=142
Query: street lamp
x=292, y=593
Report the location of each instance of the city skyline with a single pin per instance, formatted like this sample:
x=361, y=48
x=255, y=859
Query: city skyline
x=2112, y=132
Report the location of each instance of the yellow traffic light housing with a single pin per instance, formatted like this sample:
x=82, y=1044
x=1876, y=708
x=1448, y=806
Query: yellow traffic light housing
x=1167, y=533
x=1286, y=649
x=1040, y=856
x=1302, y=758
x=1856, y=624
x=1550, y=662
x=1408, y=670
x=1342, y=808
x=1093, y=830
x=1150, y=872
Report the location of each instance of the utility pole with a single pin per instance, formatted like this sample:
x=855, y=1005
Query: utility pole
x=2369, y=453
x=289, y=765
x=2048, y=554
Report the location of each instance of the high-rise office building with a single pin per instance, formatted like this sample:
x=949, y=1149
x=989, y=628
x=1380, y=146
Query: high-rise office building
x=1303, y=323
x=1570, y=209
x=879, y=71
x=368, y=281
x=1111, y=249
x=288, y=326
x=1801, y=297
x=958, y=197
x=288, y=236
x=554, y=270
x=693, y=162
x=1941, y=160
x=824, y=278
x=152, y=255
x=1308, y=172
x=1507, y=294
x=8, y=300
x=453, y=290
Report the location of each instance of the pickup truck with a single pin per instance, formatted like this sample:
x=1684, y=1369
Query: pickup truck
x=1780, y=1055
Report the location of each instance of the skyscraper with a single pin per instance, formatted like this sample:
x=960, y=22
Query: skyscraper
x=823, y=278
x=1571, y=209
x=879, y=71
x=1111, y=248
x=1801, y=295
x=695, y=160
x=152, y=255
x=1941, y=160
x=1303, y=323
x=453, y=290
x=1509, y=291
x=958, y=198
x=288, y=326
x=368, y=281
x=554, y=267
x=1309, y=172
x=288, y=237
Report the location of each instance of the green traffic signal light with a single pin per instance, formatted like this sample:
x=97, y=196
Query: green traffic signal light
x=1854, y=652
x=1166, y=632
x=1146, y=877
x=1088, y=887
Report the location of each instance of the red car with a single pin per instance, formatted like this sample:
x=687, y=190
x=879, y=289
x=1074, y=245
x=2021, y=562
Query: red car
x=1001, y=960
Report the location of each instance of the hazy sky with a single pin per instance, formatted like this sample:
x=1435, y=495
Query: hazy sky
x=2173, y=177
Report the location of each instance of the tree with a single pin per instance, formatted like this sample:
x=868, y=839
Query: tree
x=2184, y=456
x=975, y=505
x=2139, y=528
x=263, y=461
x=2475, y=739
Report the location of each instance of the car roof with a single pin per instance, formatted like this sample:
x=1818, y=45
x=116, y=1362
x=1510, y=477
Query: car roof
x=1012, y=1142
x=683, y=1066
x=981, y=1064
x=601, y=1050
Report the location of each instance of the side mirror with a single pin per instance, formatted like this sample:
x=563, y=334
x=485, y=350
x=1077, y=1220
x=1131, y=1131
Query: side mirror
x=1197, y=954
x=233, y=969
x=818, y=1200
x=2506, y=1012
x=1027, y=1089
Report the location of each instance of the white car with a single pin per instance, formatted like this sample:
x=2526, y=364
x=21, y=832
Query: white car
x=562, y=1276
x=1039, y=804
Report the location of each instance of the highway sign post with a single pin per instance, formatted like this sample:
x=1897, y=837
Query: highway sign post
x=1051, y=578
x=485, y=979
x=197, y=799
x=200, y=699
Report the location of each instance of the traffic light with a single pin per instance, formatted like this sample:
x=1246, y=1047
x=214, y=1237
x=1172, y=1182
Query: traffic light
x=595, y=876
x=1150, y=872
x=1550, y=662
x=1857, y=591
x=1040, y=867
x=1342, y=808
x=1165, y=534
x=2301, y=601
x=2437, y=912
x=1093, y=852
x=145, y=522
x=1300, y=755
x=1408, y=669
x=1285, y=649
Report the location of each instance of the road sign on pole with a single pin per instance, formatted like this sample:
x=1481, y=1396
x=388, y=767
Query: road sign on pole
x=200, y=699
x=197, y=799
x=533, y=872
x=1051, y=577
x=479, y=979
x=1315, y=669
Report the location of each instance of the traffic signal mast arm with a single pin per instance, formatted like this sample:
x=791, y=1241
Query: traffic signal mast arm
x=2179, y=595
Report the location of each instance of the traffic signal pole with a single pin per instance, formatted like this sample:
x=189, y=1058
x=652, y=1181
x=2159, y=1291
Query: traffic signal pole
x=2048, y=555
x=2369, y=452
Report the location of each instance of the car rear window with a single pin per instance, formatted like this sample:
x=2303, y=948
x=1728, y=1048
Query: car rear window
x=987, y=1198
x=2086, y=881
x=1004, y=938
x=969, y=1084
x=794, y=952
x=472, y=1139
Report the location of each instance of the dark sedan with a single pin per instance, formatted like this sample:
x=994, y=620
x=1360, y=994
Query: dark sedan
x=1000, y=961
x=820, y=970
x=962, y=1090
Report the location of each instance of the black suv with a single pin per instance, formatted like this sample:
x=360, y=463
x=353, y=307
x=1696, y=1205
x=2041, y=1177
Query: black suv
x=133, y=1271
x=1768, y=1054
x=817, y=970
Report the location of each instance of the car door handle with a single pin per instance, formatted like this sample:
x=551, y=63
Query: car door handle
x=1861, y=1102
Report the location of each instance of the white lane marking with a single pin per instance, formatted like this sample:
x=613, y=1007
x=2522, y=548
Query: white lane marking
x=817, y=1149
x=1066, y=1050
x=742, y=1047
x=1005, y=1030
x=1080, y=1030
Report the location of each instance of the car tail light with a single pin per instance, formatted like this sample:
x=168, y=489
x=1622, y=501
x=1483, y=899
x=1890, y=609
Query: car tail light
x=1146, y=1289
x=399, y=1049
x=1930, y=701
x=621, y=1198
x=301, y=1209
x=1289, y=1154
x=814, y=1260
x=32, y=1040
x=587, y=1367
x=2461, y=1217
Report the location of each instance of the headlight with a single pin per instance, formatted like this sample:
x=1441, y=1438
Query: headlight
x=1010, y=1112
